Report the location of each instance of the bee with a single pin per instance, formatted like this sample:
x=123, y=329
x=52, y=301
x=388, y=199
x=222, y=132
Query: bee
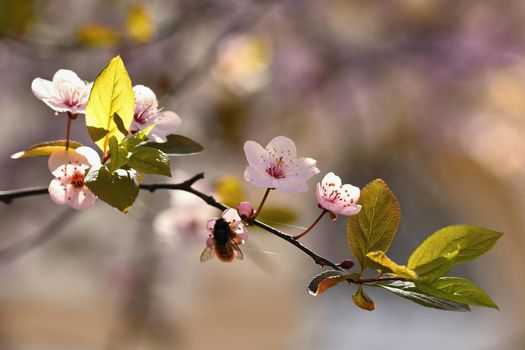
x=223, y=242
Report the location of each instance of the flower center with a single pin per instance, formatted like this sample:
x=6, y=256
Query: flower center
x=72, y=98
x=77, y=179
x=277, y=170
x=147, y=112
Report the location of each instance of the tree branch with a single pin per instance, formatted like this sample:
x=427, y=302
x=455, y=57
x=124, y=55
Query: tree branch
x=10, y=195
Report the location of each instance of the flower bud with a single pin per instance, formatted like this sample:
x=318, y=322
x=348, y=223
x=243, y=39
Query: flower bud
x=245, y=210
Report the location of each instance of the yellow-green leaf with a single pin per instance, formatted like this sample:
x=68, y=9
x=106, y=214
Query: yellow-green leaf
x=459, y=290
x=469, y=241
x=379, y=261
x=375, y=226
x=111, y=104
x=138, y=24
x=437, y=267
x=45, y=149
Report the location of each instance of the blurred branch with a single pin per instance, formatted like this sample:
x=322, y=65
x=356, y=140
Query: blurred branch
x=27, y=244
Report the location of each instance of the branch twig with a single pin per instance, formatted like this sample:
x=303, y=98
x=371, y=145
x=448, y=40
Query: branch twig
x=8, y=196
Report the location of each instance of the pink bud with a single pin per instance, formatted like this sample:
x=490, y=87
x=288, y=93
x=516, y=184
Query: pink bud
x=245, y=210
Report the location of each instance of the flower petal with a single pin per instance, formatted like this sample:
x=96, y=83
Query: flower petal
x=66, y=79
x=351, y=210
x=258, y=178
x=166, y=123
x=330, y=179
x=284, y=144
x=44, y=89
x=92, y=157
x=230, y=215
x=350, y=193
x=58, y=159
x=290, y=184
x=306, y=168
x=211, y=225
x=81, y=198
x=57, y=192
x=255, y=154
x=145, y=98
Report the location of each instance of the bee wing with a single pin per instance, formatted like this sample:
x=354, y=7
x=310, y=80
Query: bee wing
x=207, y=253
x=238, y=253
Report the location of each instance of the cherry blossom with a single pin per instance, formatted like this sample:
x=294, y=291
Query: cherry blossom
x=147, y=113
x=70, y=168
x=337, y=198
x=277, y=166
x=65, y=93
x=232, y=217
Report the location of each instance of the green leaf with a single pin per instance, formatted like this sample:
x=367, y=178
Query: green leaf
x=459, y=290
x=409, y=291
x=469, y=241
x=109, y=111
x=379, y=261
x=119, y=155
x=375, y=226
x=119, y=188
x=137, y=139
x=150, y=161
x=177, y=145
x=362, y=300
x=437, y=267
x=45, y=149
x=327, y=279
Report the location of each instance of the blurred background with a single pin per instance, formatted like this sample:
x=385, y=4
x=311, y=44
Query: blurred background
x=428, y=95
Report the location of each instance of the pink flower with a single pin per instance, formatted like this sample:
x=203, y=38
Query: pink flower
x=70, y=168
x=245, y=210
x=231, y=216
x=66, y=93
x=276, y=166
x=337, y=198
x=147, y=113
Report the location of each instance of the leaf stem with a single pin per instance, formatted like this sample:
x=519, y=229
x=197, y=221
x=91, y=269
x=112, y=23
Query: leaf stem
x=311, y=226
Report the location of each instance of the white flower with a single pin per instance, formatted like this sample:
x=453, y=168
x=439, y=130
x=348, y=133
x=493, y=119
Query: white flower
x=337, y=198
x=66, y=93
x=147, y=113
x=232, y=217
x=70, y=168
x=276, y=166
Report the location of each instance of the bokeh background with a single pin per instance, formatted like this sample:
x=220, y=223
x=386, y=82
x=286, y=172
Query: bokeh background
x=428, y=95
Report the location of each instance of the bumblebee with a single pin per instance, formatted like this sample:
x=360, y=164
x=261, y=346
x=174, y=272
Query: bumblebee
x=224, y=243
